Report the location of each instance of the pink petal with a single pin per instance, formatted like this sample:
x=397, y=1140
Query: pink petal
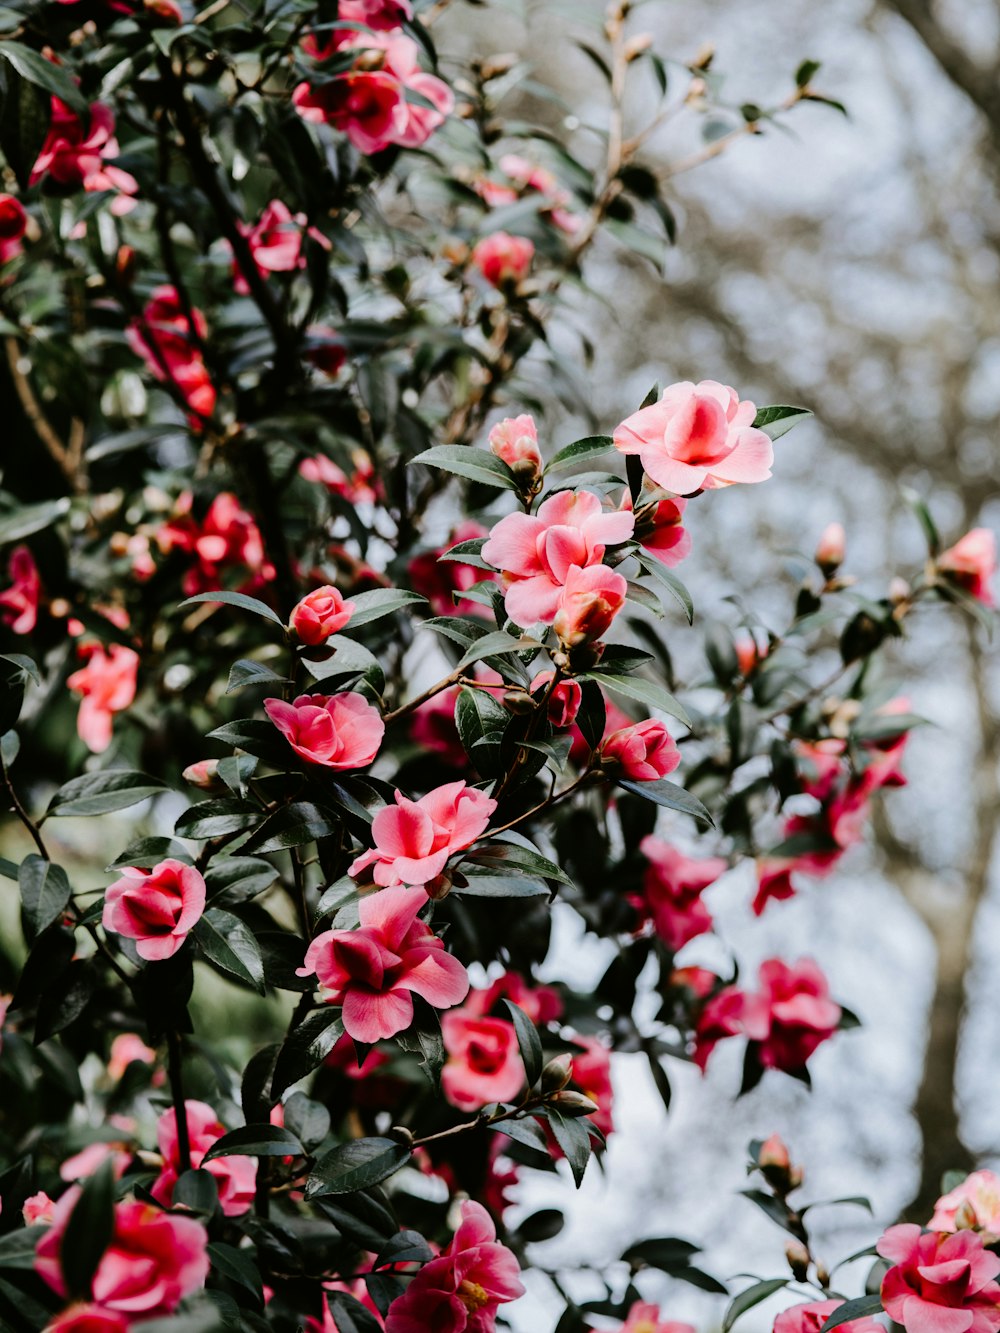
x=371, y=1017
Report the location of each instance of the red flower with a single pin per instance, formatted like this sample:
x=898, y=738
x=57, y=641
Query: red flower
x=19, y=602
x=671, y=892
x=73, y=158
x=235, y=1177
x=13, y=222
x=643, y=752
x=320, y=614
x=940, y=1284
x=157, y=908
x=165, y=340
x=484, y=1062
x=797, y=1013
x=339, y=731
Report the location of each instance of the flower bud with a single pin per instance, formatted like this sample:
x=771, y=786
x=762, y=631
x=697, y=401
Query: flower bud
x=319, y=614
x=798, y=1260
x=899, y=590
x=125, y=265
x=591, y=599
x=573, y=1103
x=515, y=442
x=203, y=774
x=830, y=549
x=966, y=1217
x=635, y=46
x=775, y=1164
x=557, y=1073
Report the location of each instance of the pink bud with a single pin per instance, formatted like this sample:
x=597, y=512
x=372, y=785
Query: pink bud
x=591, y=598
x=831, y=548
x=502, y=259
x=515, y=442
x=204, y=774
x=320, y=613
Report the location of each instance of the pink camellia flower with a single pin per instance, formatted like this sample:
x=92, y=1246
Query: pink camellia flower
x=126, y=1049
x=414, y=839
x=541, y=1003
x=749, y=653
x=432, y=728
x=971, y=564
x=38, y=1208
x=643, y=752
x=84, y=1316
x=157, y=908
x=461, y=1290
x=374, y=971
x=795, y=1015
x=660, y=528
x=972, y=1205
x=502, y=259
x=107, y=684
x=166, y=342
x=820, y=765
x=153, y=1260
x=774, y=881
x=724, y=1014
x=335, y=731
x=382, y=15
x=590, y=600
x=592, y=1075
x=226, y=538
x=812, y=1315
x=698, y=436
x=120, y=1152
x=535, y=552
x=203, y=773
x=515, y=442
x=671, y=891
x=831, y=548
x=73, y=158
x=321, y=613
x=19, y=602
x=484, y=1061
x=361, y=487
x=940, y=1284
x=235, y=1177
x=644, y=1317
x=13, y=223
x=439, y=580
x=564, y=699
x=275, y=242
x=616, y=718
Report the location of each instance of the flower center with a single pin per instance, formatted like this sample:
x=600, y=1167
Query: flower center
x=472, y=1296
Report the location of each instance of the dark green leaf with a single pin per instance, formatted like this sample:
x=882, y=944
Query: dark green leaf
x=356, y=1166
x=573, y=1137
x=292, y=826
x=669, y=795
x=369, y=606
x=475, y=464
x=580, y=451
x=44, y=74
x=238, y=599
x=496, y=644
x=806, y=72
x=528, y=1042
x=88, y=1231
x=29, y=519
x=862, y=1307
x=256, y=1141
x=45, y=891
x=644, y=691
x=306, y=1047
x=229, y=943
x=99, y=793
x=214, y=819
x=779, y=419
x=237, y=1265
x=481, y=721
x=746, y=1300
x=245, y=672
x=669, y=580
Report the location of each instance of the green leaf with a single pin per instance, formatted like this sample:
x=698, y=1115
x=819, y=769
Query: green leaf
x=580, y=451
x=214, y=819
x=464, y=461
x=500, y=886
x=746, y=1300
x=369, y=606
x=806, y=72
x=28, y=519
x=27, y=667
x=356, y=1166
x=245, y=672
x=573, y=1137
x=292, y=826
x=306, y=1048
x=237, y=1265
x=669, y=580
x=468, y=553
x=506, y=857
x=528, y=1041
x=644, y=691
x=239, y=878
x=308, y=1120
x=45, y=891
x=667, y=1253
x=481, y=721
x=17, y=1248
x=779, y=419
x=44, y=74
x=238, y=599
x=670, y=796
x=923, y=513
x=256, y=1141
x=104, y=791
x=88, y=1231
x=229, y=943
x=24, y=123
x=498, y=643
x=862, y=1307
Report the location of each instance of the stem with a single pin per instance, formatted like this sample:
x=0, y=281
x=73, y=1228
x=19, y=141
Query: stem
x=514, y=1112
x=452, y=679
x=22, y=813
x=176, y=1075
x=542, y=805
x=66, y=456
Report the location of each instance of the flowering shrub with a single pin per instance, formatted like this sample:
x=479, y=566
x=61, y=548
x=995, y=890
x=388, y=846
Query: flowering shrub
x=276, y=289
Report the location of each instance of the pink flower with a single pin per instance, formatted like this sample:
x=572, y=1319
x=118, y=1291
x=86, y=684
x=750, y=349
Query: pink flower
x=372, y=971
x=502, y=259
x=811, y=1316
x=671, y=891
x=660, y=528
x=535, y=552
x=461, y=1290
x=336, y=731
x=38, y=1208
x=974, y=1204
x=361, y=487
x=157, y=908
x=831, y=549
x=564, y=700
x=13, y=223
x=126, y=1049
x=643, y=752
x=19, y=602
x=749, y=653
x=971, y=564
x=696, y=437
x=414, y=839
x=382, y=15
x=725, y=1014
x=72, y=159
x=774, y=882
x=203, y=773
x=153, y=1260
x=276, y=242
x=107, y=684
x=320, y=613
x=226, y=538
x=592, y=1075
x=84, y=1163
x=235, y=1177
x=166, y=342
x=589, y=603
x=484, y=1062
x=643, y=1317
x=438, y=580
x=797, y=1014
x=940, y=1284
x=541, y=1003
x=84, y=1316
x=515, y=442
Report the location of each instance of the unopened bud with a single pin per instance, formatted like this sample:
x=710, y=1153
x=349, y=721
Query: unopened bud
x=822, y=1274
x=704, y=58
x=899, y=590
x=830, y=549
x=635, y=46
x=401, y=1134
x=557, y=1073
x=774, y=1153
x=798, y=1260
x=125, y=264
x=203, y=774
x=573, y=1103
x=439, y=887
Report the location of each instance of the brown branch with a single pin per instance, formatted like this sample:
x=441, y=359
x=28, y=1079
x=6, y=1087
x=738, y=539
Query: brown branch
x=67, y=457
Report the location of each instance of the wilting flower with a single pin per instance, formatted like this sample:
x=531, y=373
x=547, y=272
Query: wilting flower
x=696, y=437
x=157, y=908
x=484, y=1061
x=335, y=731
x=235, y=1176
x=971, y=564
x=374, y=971
x=644, y=751
x=502, y=259
x=414, y=839
x=107, y=683
x=19, y=602
x=940, y=1284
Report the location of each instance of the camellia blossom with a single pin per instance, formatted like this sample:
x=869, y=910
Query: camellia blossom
x=439, y=580
x=414, y=839
x=336, y=731
x=974, y=1204
x=19, y=602
x=831, y=548
x=166, y=342
x=374, y=971
x=157, y=908
x=940, y=1284
x=84, y=1316
x=484, y=1061
x=74, y=158
x=644, y=1317
x=659, y=527
x=795, y=1013
x=502, y=259
x=325, y=350
x=591, y=1073
x=588, y=604
x=320, y=614
x=671, y=891
x=235, y=1176
x=971, y=564
x=225, y=538
x=564, y=699
x=515, y=442
x=126, y=1049
x=541, y=1003
x=275, y=242
x=535, y=552
x=433, y=729
x=13, y=224
x=153, y=1259
x=643, y=752
x=461, y=1290
x=361, y=487
x=812, y=1315
x=698, y=436
x=107, y=683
